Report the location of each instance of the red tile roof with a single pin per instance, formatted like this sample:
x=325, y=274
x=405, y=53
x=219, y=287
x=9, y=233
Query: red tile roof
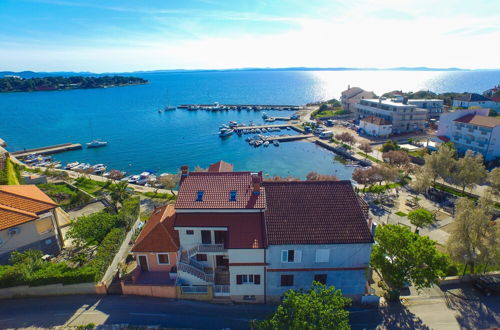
x=216, y=187
x=444, y=138
x=245, y=230
x=21, y=204
x=220, y=166
x=376, y=120
x=159, y=235
x=479, y=120
x=314, y=212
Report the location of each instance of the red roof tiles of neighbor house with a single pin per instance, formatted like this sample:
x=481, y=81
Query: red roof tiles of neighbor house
x=245, y=230
x=220, y=166
x=159, y=235
x=22, y=203
x=215, y=189
x=479, y=120
x=444, y=138
x=314, y=212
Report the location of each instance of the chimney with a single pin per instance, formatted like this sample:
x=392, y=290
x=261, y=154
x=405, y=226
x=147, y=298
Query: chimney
x=184, y=172
x=256, y=184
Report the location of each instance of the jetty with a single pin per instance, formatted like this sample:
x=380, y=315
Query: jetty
x=262, y=126
x=285, y=138
x=2, y=143
x=255, y=107
x=47, y=150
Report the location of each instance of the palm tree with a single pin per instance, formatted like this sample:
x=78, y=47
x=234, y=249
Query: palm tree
x=119, y=192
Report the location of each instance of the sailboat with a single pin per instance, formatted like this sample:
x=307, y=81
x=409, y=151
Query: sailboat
x=95, y=143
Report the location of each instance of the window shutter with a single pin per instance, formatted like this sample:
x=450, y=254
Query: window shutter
x=256, y=279
x=298, y=256
x=239, y=279
x=284, y=255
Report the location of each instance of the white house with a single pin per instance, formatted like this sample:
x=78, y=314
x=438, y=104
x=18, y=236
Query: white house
x=434, y=107
x=376, y=126
x=471, y=129
x=474, y=100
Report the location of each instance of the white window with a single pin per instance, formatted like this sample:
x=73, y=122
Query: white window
x=291, y=255
x=163, y=259
x=322, y=255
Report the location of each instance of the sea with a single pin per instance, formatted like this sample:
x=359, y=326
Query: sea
x=141, y=139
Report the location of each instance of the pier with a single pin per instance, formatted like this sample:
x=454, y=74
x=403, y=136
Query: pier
x=48, y=150
x=239, y=128
x=285, y=138
x=255, y=107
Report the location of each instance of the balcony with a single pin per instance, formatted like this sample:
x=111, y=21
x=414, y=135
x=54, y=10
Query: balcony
x=206, y=248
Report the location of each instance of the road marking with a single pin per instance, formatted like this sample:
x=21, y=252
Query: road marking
x=149, y=314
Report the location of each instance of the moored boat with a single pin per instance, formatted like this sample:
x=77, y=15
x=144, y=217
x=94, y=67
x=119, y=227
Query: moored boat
x=96, y=144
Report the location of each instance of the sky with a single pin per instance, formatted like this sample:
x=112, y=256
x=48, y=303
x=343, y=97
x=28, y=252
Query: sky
x=132, y=35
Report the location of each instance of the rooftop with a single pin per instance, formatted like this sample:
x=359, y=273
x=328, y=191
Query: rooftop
x=159, y=235
x=484, y=121
x=315, y=212
x=471, y=97
x=21, y=204
x=390, y=102
x=213, y=190
x=220, y=166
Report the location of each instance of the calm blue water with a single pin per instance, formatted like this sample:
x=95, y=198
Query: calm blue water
x=140, y=138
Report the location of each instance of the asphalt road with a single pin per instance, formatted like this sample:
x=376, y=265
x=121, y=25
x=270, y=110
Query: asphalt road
x=48, y=312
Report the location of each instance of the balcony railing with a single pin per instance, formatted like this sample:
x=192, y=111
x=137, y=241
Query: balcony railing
x=190, y=269
x=194, y=289
x=221, y=290
x=205, y=248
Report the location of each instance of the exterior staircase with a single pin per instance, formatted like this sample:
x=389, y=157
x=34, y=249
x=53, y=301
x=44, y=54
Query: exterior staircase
x=190, y=266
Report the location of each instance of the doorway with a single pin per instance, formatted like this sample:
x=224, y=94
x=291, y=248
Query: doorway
x=206, y=237
x=143, y=262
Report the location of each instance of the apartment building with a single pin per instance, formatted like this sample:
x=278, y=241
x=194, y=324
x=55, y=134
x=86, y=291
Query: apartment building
x=434, y=107
x=247, y=240
x=471, y=129
x=404, y=117
x=352, y=95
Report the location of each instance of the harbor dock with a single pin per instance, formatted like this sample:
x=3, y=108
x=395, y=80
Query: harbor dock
x=255, y=107
x=262, y=126
x=47, y=150
x=285, y=138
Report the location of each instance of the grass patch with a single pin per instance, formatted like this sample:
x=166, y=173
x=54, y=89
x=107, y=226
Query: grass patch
x=373, y=159
x=401, y=214
x=158, y=195
x=381, y=188
x=66, y=196
x=459, y=193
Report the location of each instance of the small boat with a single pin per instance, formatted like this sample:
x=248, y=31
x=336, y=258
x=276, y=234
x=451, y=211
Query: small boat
x=134, y=178
x=169, y=108
x=98, y=168
x=264, y=130
x=225, y=132
x=160, y=111
x=96, y=144
x=258, y=143
x=69, y=166
x=276, y=143
x=266, y=144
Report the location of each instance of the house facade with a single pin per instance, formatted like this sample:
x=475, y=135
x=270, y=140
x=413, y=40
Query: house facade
x=471, y=129
x=352, y=95
x=376, y=126
x=434, y=107
x=28, y=220
x=474, y=100
x=247, y=240
x=404, y=117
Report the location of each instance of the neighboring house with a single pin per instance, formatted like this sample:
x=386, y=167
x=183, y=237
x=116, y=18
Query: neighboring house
x=220, y=166
x=232, y=234
x=404, y=117
x=353, y=95
x=376, y=126
x=474, y=100
x=434, y=107
x=471, y=129
x=28, y=220
x=316, y=230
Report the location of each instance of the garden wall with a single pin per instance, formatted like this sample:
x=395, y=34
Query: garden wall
x=50, y=290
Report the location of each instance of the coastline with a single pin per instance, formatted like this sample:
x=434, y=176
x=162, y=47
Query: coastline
x=71, y=89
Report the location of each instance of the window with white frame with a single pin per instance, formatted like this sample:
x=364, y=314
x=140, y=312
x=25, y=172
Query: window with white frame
x=163, y=259
x=291, y=256
x=322, y=255
x=248, y=279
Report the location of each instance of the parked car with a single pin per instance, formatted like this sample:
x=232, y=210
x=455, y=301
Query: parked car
x=488, y=285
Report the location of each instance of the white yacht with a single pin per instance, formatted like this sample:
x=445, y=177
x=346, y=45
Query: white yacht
x=96, y=144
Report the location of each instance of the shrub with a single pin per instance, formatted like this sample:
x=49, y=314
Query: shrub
x=129, y=212
x=91, y=229
x=106, y=252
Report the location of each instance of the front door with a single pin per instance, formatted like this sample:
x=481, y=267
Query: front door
x=220, y=237
x=143, y=262
x=206, y=237
x=221, y=261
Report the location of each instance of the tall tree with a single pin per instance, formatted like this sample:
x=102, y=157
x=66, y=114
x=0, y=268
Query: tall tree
x=170, y=181
x=422, y=181
x=420, y=218
x=405, y=257
x=396, y=158
x=439, y=163
x=119, y=192
x=494, y=180
x=470, y=238
x=366, y=148
x=469, y=171
x=320, y=307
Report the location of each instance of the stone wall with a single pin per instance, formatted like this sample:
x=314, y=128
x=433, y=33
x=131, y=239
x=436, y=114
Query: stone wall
x=49, y=290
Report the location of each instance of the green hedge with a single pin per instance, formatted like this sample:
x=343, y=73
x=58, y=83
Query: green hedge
x=106, y=252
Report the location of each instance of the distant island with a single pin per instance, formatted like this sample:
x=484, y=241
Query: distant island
x=56, y=83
